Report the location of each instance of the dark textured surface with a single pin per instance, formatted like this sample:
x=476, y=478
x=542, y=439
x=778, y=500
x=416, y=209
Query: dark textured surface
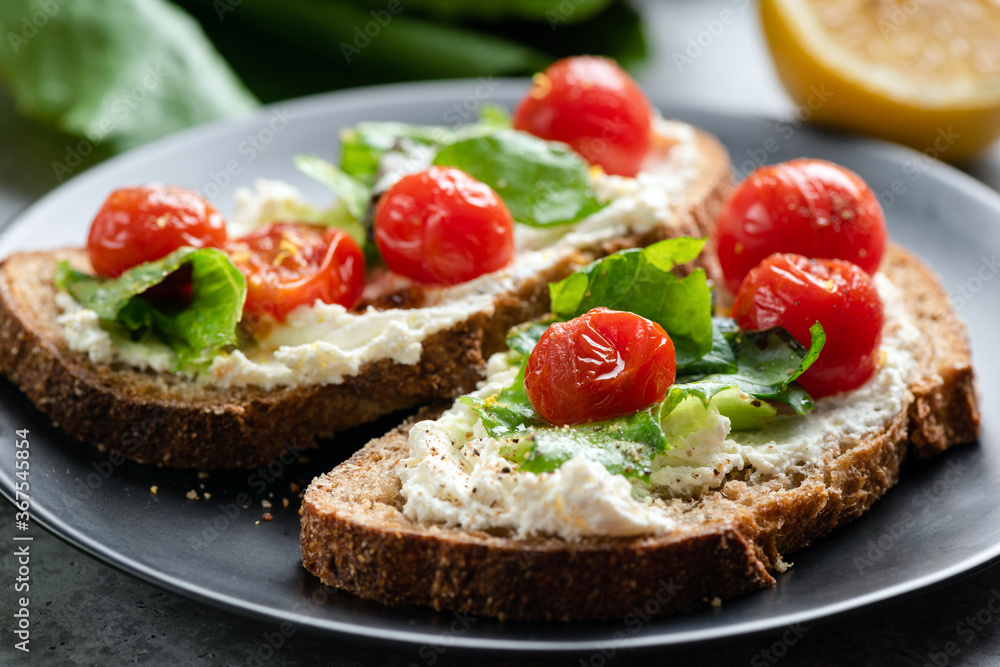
x=92, y=615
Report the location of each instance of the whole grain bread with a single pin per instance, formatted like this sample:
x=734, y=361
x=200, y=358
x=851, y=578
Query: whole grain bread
x=160, y=418
x=355, y=536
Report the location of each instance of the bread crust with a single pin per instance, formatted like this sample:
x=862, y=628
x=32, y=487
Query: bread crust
x=161, y=419
x=354, y=535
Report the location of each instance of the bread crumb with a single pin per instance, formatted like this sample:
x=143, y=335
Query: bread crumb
x=716, y=602
x=303, y=459
x=153, y=489
x=294, y=487
x=202, y=474
x=266, y=504
x=267, y=516
x=284, y=502
x=781, y=565
x=208, y=496
x=192, y=495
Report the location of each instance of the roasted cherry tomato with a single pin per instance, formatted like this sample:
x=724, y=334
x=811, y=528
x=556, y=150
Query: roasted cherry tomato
x=591, y=104
x=809, y=207
x=146, y=223
x=442, y=226
x=600, y=365
x=288, y=265
x=795, y=292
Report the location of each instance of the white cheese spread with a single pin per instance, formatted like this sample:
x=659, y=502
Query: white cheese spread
x=323, y=344
x=455, y=475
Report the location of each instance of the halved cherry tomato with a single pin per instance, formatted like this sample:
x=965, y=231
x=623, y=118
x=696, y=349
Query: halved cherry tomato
x=146, y=223
x=795, y=292
x=288, y=265
x=591, y=104
x=442, y=226
x=809, y=207
x=600, y=365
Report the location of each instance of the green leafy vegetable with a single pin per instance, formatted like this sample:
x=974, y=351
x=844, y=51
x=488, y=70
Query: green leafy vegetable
x=523, y=337
x=364, y=144
x=118, y=72
x=624, y=445
x=354, y=194
x=542, y=183
x=768, y=362
x=196, y=331
x=641, y=281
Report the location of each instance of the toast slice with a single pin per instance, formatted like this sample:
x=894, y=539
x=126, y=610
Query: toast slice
x=355, y=536
x=164, y=419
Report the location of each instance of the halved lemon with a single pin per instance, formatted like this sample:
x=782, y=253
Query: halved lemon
x=925, y=73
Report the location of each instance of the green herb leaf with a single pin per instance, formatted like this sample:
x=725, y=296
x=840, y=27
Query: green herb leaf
x=543, y=183
x=768, y=362
x=641, y=281
x=354, y=194
x=197, y=330
x=119, y=72
x=624, y=445
x=364, y=144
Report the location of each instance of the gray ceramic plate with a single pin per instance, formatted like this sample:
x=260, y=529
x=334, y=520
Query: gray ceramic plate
x=939, y=522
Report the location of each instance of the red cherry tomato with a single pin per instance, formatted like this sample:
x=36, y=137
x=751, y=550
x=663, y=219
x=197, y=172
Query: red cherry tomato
x=794, y=292
x=442, y=226
x=600, y=365
x=146, y=223
x=591, y=104
x=809, y=207
x=288, y=265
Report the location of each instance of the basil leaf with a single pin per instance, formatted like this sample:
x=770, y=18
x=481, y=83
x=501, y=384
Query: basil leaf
x=118, y=72
x=720, y=359
x=196, y=331
x=543, y=183
x=363, y=145
x=768, y=362
x=354, y=194
x=641, y=281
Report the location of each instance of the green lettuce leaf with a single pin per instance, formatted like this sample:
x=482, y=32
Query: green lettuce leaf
x=195, y=331
x=363, y=145
x=118, y=72
x=641, y=281
x=543, y=183
x=354, y=194
x=624, y=445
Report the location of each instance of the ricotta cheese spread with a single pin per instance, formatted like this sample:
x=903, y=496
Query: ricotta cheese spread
x=323, y=344
x=454, y=474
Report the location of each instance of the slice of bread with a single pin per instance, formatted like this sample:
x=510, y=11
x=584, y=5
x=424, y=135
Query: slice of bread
x=162, y=418
x=355, y=536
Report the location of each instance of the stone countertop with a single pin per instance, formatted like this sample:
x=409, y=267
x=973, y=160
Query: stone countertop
x=86, y=613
